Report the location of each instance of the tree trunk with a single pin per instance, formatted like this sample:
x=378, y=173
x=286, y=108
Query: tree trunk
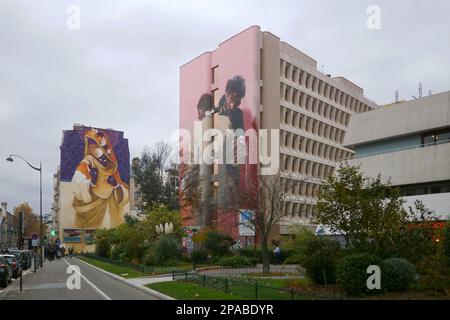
x=265, y=255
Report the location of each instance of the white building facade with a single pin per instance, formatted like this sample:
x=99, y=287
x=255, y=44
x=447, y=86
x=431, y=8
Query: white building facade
x=407, y=143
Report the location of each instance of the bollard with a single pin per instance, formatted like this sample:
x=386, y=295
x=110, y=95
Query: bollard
x=21, y=281
x=35, y=264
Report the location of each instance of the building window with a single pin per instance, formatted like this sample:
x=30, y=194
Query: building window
x=215, y=74
x=436, y=137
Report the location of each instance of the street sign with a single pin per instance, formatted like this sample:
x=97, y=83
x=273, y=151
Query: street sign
x=245, y=226
x=34, y=242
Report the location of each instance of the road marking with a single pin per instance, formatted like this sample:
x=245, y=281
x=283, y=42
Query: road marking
x=104, y=295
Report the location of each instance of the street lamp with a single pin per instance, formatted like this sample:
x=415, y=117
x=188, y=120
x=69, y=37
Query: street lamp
x=10, y=159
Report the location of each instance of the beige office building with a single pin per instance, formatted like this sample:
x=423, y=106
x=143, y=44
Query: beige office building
x=311, y=109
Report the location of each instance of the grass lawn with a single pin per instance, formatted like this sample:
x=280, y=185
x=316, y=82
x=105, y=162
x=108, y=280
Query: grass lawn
x=120, y=271
x=190, y=291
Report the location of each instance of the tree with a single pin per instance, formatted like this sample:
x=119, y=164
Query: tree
x=148, y=171
x=367, y=213
x=266, y=203
x=102, y=239
x=31, y=220
x=157, y=216
x=170, y=190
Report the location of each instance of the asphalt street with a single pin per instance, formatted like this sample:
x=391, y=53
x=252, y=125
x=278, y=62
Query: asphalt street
x=50, y=283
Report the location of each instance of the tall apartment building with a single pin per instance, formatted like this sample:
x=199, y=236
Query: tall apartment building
x=407, y=143
x=277, y=87
x=9, y=228
x=56, y=205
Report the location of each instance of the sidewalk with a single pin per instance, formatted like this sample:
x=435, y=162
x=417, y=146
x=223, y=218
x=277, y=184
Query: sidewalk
x=48, y=283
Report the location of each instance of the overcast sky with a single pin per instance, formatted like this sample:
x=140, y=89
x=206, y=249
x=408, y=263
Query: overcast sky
x=120, y=69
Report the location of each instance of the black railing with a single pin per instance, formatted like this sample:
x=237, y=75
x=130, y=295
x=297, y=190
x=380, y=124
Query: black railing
x=248, y=288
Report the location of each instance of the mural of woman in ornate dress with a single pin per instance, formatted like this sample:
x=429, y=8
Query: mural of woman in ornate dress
x=100, y=195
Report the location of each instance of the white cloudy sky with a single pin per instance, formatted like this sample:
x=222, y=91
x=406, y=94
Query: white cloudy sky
x=120, y=70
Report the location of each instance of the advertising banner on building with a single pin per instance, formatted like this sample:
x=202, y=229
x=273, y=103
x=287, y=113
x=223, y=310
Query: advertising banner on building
x=245, y=226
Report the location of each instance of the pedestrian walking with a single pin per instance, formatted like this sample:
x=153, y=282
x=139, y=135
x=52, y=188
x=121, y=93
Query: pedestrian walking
x=277, y=252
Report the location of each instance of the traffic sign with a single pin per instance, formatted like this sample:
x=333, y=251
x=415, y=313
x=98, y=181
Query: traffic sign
x=34, y=242
x=34, y=236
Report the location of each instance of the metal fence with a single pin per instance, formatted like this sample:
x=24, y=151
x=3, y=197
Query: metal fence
x=275, y=270
x=253, y=271
x=247, y=288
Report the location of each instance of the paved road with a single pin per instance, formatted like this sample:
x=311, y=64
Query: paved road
x=49, y=283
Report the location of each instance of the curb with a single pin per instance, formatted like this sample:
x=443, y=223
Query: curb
x=119, y=278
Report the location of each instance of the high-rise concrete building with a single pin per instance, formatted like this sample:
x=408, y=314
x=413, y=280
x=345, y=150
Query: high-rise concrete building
x=56, y=205
x=408, y=144
x=256, y=81
x=9, y=228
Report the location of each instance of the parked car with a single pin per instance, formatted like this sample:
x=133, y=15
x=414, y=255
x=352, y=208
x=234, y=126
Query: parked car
x=30, y=255
x=25, y=257
x=5, y=272
x=15, y=265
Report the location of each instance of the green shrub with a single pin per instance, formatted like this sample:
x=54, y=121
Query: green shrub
x=166, y=248
x=217, y=244
x=434, y=274
x=351, y=272
x=117, y=252
x=235, y=262
x=102, y=239
x=103, y=248
x=199, y=256
x=317, y=254
x=397, y=274
x=254, y=254
x=149, y=258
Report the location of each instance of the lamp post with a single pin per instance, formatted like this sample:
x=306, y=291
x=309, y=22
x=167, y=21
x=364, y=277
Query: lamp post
x=41, y=253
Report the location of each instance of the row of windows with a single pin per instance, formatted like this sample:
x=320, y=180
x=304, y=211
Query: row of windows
x=324, y=89
x=309, y=168
x=416, y=190
x=436, y=137
x=298, y=143
x=300, y=188
x=301, y=210
x=314, y=105
x=311, y=125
